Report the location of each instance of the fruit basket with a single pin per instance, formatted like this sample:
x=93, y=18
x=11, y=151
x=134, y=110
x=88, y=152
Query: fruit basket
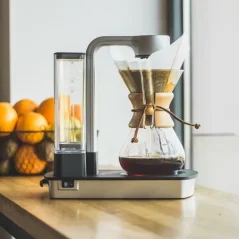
x=27, y=136
x=24, y=158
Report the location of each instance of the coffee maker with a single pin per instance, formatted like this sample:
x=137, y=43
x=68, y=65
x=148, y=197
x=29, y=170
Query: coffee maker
x=152, y=158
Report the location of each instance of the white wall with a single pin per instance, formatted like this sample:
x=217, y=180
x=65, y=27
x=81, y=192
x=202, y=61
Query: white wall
x=215, y=38
x=215, y=65
x=40, y=28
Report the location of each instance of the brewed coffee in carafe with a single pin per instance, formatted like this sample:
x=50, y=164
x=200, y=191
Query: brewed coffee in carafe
x=152, y=146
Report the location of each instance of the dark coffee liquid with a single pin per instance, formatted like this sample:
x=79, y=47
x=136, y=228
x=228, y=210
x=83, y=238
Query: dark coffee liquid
x=140, y=166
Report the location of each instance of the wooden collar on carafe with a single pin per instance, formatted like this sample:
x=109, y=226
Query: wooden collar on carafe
x=149, y=109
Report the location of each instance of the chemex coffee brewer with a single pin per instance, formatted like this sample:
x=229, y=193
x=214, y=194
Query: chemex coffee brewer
x=152, y=157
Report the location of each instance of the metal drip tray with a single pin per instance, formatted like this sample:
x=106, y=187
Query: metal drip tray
x=116, y=184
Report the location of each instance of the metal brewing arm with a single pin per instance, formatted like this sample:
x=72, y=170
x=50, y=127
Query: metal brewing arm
x=91, y=131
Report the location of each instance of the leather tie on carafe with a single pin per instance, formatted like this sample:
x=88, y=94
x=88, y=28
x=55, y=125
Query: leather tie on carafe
x=149, y=109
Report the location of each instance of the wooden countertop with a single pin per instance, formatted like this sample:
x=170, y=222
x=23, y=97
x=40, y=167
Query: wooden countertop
x=208, y=214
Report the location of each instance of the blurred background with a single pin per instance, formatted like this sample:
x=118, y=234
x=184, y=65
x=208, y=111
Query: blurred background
x=31, y=31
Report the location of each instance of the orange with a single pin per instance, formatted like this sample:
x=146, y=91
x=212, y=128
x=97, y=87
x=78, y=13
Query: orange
x=50, y=133
x=24, y=106
x=26, y=161
x=64, y=101
x=8, y=119
x=76, y=111
x=46, y=108
x=6, y=103
x=33, y=122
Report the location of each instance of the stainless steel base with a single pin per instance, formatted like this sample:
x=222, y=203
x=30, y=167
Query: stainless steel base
x=124, y=187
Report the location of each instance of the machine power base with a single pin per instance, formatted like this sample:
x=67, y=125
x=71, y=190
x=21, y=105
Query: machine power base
x=112, y=184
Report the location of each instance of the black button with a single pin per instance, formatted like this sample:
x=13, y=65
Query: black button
x=68, y=184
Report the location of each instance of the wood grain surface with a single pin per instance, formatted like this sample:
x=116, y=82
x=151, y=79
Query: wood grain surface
x=208, y=214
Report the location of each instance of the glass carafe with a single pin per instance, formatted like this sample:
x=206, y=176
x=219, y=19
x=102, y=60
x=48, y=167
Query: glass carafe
x=151, y=149
x=157, y=152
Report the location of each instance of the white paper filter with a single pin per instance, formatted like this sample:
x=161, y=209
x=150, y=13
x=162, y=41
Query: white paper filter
x=169, y=59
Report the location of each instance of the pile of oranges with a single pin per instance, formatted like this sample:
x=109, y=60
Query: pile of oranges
x=23, y=136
